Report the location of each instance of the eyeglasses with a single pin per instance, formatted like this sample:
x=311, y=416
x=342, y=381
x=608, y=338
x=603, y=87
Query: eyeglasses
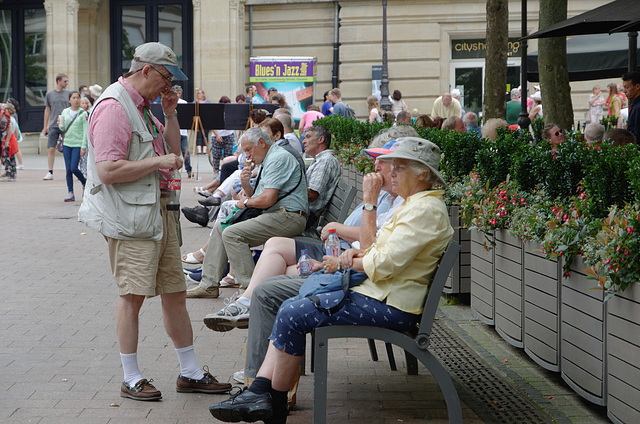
x=398, y=168
x=162, y=75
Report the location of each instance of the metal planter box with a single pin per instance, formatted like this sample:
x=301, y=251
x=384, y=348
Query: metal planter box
x=509, y=290
x=541, y=307
x=459, y=281
x=582, y=331
x=482, y=277
x=623, y=356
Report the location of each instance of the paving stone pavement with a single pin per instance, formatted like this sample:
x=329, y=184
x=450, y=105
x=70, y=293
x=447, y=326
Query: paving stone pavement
x=59, y=355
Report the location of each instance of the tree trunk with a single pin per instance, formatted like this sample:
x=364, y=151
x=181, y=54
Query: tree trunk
x=495, y=75
x=552, y=63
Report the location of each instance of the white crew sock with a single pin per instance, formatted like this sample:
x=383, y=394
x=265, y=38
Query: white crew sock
x=244, y=301
x=130, y=367
x=188, y=364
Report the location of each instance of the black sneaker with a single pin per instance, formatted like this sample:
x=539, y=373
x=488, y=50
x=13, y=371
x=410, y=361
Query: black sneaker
x=198, y=215
x=243, y=406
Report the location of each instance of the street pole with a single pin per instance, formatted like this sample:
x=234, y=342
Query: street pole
x=523, y=120
x=385, y=103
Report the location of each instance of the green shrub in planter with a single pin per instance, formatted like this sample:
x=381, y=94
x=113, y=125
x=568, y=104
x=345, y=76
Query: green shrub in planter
x=458, y=153
x=607, y=173
x=529, y=222
x=350, y=136
x=528, y=167
x=562, y=169
x=537, y=126
x=496, y=157
x=633, y=176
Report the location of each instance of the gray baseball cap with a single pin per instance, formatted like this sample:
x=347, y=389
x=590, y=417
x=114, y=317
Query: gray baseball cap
x=159, y=54
x=420, y=150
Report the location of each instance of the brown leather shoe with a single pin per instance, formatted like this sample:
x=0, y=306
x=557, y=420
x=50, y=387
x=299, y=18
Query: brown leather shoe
x=207, y=384
x=198, y=291
x=143, y=390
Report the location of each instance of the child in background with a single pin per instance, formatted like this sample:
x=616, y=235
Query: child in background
x=74, y=131
x=85, y=104
x=9, y=142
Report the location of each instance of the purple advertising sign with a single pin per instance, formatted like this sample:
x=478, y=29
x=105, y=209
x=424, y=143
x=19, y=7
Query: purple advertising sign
x=282, y=70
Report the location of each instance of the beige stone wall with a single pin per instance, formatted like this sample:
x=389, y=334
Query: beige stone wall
x=419, y=39
x=94, y=61
x=218, y=47
x=62, y=40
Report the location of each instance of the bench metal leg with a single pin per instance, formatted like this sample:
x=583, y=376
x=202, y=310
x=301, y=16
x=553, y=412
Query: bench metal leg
x=412, y=363
x=372, y=350
x=320, y=381
x=392, y=359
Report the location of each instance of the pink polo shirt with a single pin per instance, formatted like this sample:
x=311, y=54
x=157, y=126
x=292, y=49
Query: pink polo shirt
x=110, y=130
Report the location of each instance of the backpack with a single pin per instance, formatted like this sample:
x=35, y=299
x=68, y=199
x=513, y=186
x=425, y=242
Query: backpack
x=5, y=121
x=348, y=111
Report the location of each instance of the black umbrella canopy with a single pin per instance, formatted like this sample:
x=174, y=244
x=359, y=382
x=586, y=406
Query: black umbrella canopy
x=599, y=20
x=590, y=57
x=630, y=26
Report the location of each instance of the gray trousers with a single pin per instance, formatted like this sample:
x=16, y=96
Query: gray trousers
x=265, y=303
x=233, y=245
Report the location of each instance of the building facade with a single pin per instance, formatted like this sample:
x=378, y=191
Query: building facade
x=433, y=45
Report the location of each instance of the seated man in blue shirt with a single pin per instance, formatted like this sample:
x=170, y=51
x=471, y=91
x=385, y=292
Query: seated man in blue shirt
x=281, y=193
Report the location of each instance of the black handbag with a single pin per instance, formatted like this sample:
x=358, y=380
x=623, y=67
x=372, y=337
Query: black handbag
x=244, y=214
x=249, y=212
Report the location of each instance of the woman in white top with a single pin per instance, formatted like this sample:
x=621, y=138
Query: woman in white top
x=397, y=104
x=374, y=107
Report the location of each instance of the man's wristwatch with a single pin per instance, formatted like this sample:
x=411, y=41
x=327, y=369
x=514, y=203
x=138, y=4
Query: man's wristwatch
x=245, y=203
x=174, y=115
x=370, y=207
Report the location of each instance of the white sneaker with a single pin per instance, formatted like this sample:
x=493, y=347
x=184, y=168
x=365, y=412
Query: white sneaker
x=239, y=376
x=49, y=176
x=20, y=167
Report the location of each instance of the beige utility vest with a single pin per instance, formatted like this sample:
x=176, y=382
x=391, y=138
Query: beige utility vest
x=126, y=211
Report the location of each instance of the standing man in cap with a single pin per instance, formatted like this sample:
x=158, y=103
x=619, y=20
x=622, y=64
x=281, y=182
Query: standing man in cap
x=56, y=101
x=131, y=156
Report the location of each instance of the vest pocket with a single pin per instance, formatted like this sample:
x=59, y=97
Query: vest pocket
x=139, y=212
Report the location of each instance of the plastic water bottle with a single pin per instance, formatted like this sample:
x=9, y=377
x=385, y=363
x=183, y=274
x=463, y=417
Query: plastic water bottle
x=174, y=184
x=332, y=244
x=305, y=265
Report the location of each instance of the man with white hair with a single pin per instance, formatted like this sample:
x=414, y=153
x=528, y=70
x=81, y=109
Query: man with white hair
x=446, y=106
x=456, y=94
x=454, y=123
x=280, y=194
x=513, y=107
x=593, y=133
x=470, y=120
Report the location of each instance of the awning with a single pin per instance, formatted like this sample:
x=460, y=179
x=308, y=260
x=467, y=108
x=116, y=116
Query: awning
x=590, y=57
x=599, y=20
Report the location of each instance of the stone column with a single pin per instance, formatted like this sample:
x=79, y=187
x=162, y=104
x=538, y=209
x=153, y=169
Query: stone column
x=93, y=30
x=218, y=44
x=62, y=40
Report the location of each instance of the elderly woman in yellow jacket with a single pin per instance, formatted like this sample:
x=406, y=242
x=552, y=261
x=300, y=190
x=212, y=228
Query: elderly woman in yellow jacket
x=399, y=266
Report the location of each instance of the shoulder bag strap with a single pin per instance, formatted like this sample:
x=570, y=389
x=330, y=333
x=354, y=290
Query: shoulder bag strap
x=71, y=123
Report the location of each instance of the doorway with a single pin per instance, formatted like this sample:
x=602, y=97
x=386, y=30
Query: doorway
x=468, y=77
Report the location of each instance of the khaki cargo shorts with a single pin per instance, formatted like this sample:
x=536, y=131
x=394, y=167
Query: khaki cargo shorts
x=148, y=267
